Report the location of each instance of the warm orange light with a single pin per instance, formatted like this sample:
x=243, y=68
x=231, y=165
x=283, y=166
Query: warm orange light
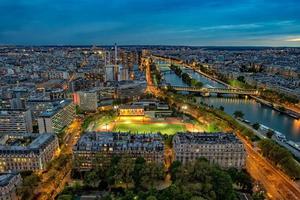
x=296, y=126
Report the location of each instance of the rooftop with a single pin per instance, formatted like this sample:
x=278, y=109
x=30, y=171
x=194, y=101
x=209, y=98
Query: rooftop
x=5, y=178
x=96, y=141
x=56, y=108
x=28, y=142
x=207, y=138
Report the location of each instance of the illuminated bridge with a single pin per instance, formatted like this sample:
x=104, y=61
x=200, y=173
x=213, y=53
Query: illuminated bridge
x=217, y=90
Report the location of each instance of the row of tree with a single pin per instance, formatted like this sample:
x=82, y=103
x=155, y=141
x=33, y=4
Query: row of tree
x=281, y=157
x=176, y=69
x=191, y=81
x=186, y=78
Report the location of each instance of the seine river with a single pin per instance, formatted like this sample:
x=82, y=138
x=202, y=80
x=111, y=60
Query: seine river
x=254, y=111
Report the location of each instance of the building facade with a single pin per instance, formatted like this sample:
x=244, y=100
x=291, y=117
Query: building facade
x=131, y=110
x=94, y=149
x=27, y=151
x=55, y=119
x=86, y=100
x=223, y=149
x=8, y=186
x=15, y=121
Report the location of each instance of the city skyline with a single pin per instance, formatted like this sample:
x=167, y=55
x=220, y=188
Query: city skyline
x=171, y=22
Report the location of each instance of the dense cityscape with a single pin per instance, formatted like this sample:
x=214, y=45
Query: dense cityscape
x=170, y=119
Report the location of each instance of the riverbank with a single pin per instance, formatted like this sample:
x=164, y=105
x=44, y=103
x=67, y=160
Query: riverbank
x=274, y=106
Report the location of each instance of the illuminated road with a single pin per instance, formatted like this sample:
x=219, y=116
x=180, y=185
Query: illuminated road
x=278, y=185
x=49, y=187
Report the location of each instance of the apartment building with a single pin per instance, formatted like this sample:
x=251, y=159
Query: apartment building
x=21, y=152
x=15, y=121
x=8, y=185
x=97, y=148
x=224, y=149
x=55, y=119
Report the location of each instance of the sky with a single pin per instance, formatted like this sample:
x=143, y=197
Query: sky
x=150, y=22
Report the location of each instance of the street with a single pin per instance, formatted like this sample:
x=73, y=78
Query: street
x=53, y=180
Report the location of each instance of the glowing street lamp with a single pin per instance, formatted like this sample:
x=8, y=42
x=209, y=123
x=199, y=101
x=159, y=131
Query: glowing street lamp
x=184, y=107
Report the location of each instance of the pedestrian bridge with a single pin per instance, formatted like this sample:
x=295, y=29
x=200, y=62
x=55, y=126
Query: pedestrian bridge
x=217, y=90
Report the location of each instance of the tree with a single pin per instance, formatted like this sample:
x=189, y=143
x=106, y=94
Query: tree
x=270, y=133
x=153, y=172
x=65, y=197
x=258, y=196
x=280, y=156
x=221, y=108
x=138, y=171
x=112, y=172
x=256, y=126
x=29, y=182
x=151, y=198
x=91, y=179
x=238, y=114
x=241, y=79
x=174, y=169
x=199, y=84
x=125, y=169
x=222, y=185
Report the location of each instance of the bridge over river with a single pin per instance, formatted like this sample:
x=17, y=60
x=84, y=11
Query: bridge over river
x=217, y=90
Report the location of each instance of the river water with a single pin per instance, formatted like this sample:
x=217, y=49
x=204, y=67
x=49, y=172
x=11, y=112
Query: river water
x=253, y=111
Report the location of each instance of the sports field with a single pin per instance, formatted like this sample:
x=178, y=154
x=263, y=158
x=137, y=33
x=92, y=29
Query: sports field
x=163, y=128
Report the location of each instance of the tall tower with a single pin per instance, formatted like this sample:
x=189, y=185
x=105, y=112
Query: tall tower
x=116, y=68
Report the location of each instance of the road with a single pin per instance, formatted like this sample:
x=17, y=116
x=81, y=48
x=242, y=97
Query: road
x=277, y=184
x=53, y=180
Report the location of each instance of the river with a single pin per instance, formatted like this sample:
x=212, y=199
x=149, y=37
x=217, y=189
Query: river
x=253, y=111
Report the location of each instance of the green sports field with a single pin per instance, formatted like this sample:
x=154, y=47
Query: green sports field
x=163, y=128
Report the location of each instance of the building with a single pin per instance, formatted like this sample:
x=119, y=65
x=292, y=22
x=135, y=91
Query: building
x=131, y=110
x=8, y=185
x=223, y=149
x=131, y=89
x=86, y=100
x=55, y=119
x=109, y=73
x=15, y=121
x=22, y=152
x=57, y=94
x=38, y=106
x=94, y=148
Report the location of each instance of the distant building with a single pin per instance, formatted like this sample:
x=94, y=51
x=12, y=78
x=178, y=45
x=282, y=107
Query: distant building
x=223, y=149
x=131, y=110
x=26, y=151
x=8, y=186
x=57, y=94
x=55, y=119
x=109, y=73
x=94, y=149
x=15, y=121
x=131, y=89
x=123, y=74
x=86, y=100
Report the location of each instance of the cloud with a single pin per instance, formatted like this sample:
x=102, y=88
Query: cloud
x=293, y=40
x=232, y=26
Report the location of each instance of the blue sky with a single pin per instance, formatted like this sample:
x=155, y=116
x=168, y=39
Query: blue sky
x=170, y=22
